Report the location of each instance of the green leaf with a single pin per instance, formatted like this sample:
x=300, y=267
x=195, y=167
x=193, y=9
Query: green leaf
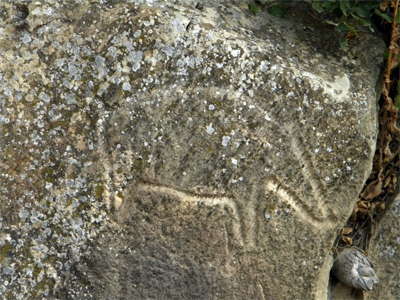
x=344, y=7
x=384, y=16
x=362, y=11
x=317, y=7
x=277, y=11
x=343, y=44
x=366, y=22
x=331, y=23
x=326, y=7
x=254, y=8
x=343, y=27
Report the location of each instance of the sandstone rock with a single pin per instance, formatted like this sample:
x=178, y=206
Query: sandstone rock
x=161, y=151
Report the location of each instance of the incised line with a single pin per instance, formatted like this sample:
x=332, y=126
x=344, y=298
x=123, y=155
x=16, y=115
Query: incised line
x=208, y=200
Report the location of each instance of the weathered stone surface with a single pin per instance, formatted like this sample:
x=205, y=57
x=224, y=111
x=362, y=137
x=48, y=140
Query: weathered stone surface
x=385, y=249
x=227, y=149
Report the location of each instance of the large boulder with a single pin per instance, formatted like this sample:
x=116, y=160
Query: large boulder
x=174, y=150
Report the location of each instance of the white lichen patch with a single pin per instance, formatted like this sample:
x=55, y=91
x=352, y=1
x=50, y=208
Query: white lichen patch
x=338, y=90
x=210, y=129
x=225, y=140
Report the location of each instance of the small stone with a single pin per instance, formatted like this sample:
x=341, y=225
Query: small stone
x=354, y=269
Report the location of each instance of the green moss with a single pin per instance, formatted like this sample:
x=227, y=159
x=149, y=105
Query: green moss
x=82, y=206
x=36, y=272
x=9, y=295
x=69, y=202
x=48, y=174
x=58, y=123
x=5, y=251
x=99, y=190
x=270, y=207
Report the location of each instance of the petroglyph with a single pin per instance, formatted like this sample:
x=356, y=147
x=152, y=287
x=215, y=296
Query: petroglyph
x=250, y=208
x=312, y=210
x=209, y=200
x=299, y=206
x=308, y=169
x=245, y=221
x=106, y=163
x=260, y=291
x=246, y=213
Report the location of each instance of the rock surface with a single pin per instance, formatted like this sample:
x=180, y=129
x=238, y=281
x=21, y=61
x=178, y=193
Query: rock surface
x=385, y=249
x=163, y=150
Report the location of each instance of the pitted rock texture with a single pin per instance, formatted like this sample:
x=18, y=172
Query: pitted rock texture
x=158, y=150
